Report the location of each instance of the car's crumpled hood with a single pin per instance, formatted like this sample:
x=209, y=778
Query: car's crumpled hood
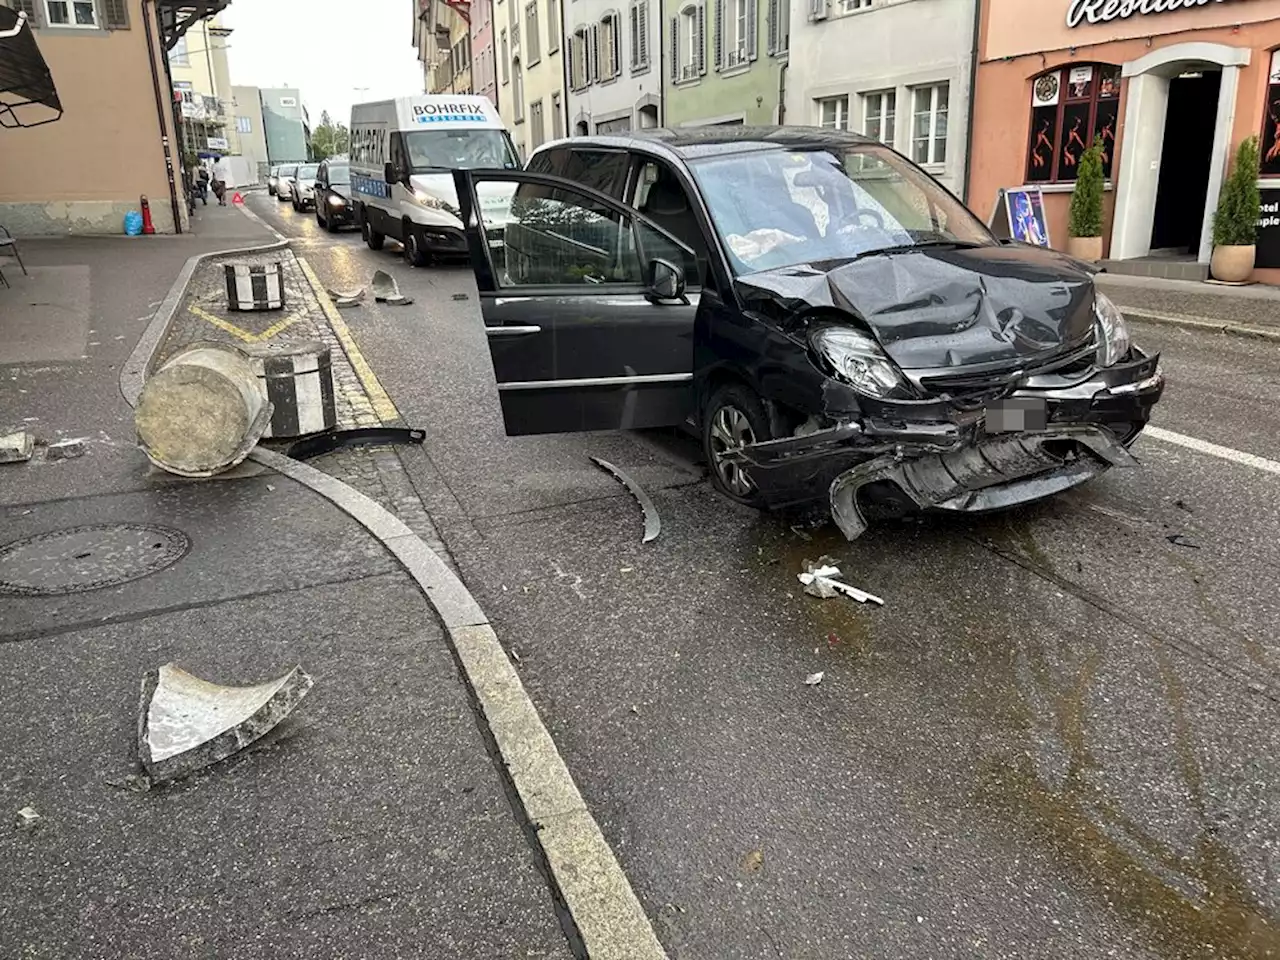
x=937, y=307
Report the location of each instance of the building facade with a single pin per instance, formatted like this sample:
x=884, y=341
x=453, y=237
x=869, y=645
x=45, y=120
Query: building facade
x=614, y=65
x=202, y=89
x=530, y=70
x=725, y=61
x=484, y=60
x=250, y=128
x=285, y=124
x=1170, y=89
x=116, y=139
x=895, y=70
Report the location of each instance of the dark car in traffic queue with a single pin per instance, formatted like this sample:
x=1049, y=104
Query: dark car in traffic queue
x=333, y=195
x=831, y=320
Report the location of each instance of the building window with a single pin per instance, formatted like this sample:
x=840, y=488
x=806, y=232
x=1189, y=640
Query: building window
x=833, y=113
x=688, y=43
x=517, y=90
x=779, y=27
x=244, y=125
x=1069, y=108
x=608, y=41
x=850, y=6
x=178, y=55
x=506, y=59
x=639, y=22
x=1270, y=152
x=733, y=32
x=536, y=136
x=929, y=124
x=71, y=13
x=532, y=42
x=557, y=117
x=877, y=115
x=579, y=56
x=553, y=26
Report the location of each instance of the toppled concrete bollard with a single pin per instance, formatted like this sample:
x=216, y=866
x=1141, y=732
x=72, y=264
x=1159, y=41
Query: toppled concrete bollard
x=185, y=723
x=65, y=450
x=16, y=447
x=202, y=412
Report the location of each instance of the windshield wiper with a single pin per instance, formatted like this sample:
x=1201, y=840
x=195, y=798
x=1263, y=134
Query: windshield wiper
x=908, y=247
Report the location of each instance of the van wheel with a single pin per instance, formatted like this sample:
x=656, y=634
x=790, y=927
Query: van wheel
x=371, y=236
x=733, y=417
x=414, y=254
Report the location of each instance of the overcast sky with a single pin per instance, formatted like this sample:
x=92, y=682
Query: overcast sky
x=325, y=48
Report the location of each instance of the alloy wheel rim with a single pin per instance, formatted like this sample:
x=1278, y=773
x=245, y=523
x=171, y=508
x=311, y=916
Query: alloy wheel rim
x=730, y=430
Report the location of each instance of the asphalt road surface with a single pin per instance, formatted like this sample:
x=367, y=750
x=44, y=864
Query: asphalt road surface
x=1057, y=737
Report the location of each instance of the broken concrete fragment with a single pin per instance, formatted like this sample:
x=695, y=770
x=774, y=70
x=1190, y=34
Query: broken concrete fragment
x=16, y=447
x=28, y=818
x=65, y=450
x=384, y=285
x=185, y=723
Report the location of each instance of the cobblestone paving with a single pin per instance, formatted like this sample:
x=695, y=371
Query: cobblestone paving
x=301, y=319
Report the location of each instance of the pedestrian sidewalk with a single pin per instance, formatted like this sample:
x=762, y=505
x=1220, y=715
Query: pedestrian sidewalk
x=374, y=821
x=1250, y=310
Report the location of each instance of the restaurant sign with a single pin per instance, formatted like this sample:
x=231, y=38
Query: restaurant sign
x=1104, y=11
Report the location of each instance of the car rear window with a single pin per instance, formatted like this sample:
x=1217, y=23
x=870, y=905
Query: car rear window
x=340, y=174
x=310, y=170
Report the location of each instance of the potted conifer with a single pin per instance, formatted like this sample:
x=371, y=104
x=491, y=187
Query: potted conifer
x=1085, y=229
x=1235, y=223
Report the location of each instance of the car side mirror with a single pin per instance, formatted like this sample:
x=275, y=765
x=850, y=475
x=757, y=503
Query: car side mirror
x=666, y=280
x=389, y=173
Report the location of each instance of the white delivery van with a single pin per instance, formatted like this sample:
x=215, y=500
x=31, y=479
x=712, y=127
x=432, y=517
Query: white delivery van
x=403, y=154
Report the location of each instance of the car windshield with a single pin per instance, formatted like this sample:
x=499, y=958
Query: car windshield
x=288, y=171
x=309, y=171
x=340, y=174
x=779, y=208
x=465, y=149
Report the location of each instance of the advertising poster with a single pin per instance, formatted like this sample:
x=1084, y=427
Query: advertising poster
x=1268, y=254
x=1270, y=159
x=1026, y=217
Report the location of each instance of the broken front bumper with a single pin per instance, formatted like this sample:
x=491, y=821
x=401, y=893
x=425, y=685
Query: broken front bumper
x=941, y=455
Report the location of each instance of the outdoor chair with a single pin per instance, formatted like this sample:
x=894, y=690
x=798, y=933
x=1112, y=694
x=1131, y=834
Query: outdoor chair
x=9, y=245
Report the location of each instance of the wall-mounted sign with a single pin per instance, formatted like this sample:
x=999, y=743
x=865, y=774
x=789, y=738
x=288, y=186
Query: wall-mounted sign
x=288, y=101
x=1103, y=11
x=217, y=143
x=1019, y=215
x=1268, y=249
x=1270, y=159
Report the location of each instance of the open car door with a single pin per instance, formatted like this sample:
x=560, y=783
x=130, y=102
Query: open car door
x=588, y=307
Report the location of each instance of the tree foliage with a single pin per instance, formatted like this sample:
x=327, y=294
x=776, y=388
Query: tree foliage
x=1086, y=198
x=1235, y=222
x=329, y=139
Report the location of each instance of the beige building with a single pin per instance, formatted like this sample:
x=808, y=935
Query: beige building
x=202, y=87
x=442, y=34
x=530, y=70
x=115, y=140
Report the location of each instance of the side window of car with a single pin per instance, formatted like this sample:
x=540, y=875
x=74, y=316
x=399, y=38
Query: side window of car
x=399, y=162
x=549, y=161
x=603, y=170
x=555, y=236
x=659, y=194
x=322, y=175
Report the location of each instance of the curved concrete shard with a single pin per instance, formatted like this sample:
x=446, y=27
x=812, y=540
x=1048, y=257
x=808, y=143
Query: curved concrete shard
x=186, y=723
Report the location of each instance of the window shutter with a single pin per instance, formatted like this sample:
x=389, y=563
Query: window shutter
x=718, y=27
x=753, y=39
x=617, y=44
x=593, y=55
x=633, y=24
x=115, y=14
x=817, y=9
x=30, y=8
x=773, y=27
x=700, y=44
x=573, y=63
x=642, y=33
x=675, y=49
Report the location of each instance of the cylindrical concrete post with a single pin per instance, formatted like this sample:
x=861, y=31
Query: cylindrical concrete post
x=201, y=412
x=296, y=376
x=254, y=286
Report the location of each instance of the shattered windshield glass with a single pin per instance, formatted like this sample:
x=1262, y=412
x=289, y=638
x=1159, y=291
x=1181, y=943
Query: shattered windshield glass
x=779, y=208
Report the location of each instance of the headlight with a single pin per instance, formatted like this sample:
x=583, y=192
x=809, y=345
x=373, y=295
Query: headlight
x=858, y=360
x=337, y=201
x=1113, y=332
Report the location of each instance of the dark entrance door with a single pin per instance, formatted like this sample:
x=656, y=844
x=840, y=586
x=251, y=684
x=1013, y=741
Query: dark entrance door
x=1184, y=162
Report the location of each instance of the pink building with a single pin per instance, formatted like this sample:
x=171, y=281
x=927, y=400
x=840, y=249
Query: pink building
x=484, y=65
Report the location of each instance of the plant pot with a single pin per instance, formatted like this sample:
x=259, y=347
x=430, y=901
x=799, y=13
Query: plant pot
x=1085, y=248
x=1232, y=263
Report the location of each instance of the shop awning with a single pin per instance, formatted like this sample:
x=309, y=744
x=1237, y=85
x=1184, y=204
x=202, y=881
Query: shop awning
x=28, y=97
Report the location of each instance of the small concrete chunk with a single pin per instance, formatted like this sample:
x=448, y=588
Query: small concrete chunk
x=65, y=450
x=186, y=723
x=16, y=447
x=28, y=818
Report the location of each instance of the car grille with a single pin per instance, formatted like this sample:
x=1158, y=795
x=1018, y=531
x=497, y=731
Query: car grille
x=984, y=381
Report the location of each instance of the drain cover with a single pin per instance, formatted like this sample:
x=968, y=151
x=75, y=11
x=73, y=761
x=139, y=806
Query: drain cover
x=88, y=558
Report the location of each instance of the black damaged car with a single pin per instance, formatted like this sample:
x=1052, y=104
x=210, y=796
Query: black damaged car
x=834, y=323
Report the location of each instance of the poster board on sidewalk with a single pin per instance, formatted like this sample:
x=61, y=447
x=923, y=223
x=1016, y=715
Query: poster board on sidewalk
x=1268, y=252
x=1019, y=215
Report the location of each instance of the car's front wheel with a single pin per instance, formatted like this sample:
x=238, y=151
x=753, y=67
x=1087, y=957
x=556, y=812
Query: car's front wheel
x=733, y=417
x=414, y=253
x=371, y=236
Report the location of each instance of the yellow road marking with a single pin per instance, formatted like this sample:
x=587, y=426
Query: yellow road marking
x=248, y=336
x=382, y=403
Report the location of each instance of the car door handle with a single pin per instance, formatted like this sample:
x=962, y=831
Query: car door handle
x=522, y=331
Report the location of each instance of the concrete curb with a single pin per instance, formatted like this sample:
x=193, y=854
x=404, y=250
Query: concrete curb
x=604, y=918
x=1203, y=324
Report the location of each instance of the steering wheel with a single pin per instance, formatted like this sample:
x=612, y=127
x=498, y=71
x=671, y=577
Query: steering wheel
x=874, y=215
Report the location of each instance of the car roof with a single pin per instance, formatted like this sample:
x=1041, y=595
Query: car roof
x=692, y=143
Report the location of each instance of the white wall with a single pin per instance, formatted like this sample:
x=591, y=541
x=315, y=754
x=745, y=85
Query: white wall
x=620, y=97
x=894, y=44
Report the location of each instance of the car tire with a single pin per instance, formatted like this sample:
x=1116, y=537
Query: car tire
x=733, y=416
x=372, y=237
x=414, y=254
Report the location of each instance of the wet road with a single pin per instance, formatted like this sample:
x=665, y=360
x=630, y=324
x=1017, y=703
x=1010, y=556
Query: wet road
x=1057, y=738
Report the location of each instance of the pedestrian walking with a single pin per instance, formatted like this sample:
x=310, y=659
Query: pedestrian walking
x=221, y=174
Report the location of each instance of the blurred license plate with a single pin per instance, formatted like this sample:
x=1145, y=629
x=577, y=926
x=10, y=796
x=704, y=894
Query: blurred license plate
x=1015, y=416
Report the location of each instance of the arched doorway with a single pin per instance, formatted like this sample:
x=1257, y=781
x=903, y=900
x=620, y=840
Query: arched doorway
x=1177, y=124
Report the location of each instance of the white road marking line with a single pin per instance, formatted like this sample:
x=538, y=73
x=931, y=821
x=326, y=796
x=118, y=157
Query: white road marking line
x=1213, y=450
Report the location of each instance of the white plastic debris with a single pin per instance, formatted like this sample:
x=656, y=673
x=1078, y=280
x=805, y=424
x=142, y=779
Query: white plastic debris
x=16, y=447
x=813, y=679
x=819, y=581
x=27, y=817
x=65, y=449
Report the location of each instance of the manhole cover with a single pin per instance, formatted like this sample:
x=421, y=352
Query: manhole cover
x=88, y=558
